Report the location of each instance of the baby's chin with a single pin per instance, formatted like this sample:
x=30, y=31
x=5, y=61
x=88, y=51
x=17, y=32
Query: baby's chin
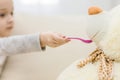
x=8, y=33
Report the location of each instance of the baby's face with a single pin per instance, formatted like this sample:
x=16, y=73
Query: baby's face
x=6, y=17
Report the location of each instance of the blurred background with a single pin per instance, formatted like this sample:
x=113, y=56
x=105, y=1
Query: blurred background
x=63, y=16
x=62, y=7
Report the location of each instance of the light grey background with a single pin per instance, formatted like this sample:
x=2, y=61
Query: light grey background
x=62, y=7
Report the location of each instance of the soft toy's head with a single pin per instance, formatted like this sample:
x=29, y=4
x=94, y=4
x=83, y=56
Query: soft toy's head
x=104, y=30
x=98, y=22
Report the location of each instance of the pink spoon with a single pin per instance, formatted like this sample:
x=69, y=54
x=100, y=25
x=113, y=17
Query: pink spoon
x=83, y=40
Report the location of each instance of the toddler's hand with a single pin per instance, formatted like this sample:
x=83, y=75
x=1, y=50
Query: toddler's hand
x=52, y=39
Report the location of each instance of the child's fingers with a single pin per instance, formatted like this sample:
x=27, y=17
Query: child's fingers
x=94, y=10
x=60, y=40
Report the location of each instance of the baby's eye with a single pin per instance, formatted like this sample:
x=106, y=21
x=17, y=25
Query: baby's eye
x=2, y=15
x=12, y=13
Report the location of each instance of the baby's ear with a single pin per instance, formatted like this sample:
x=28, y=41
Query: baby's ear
x=94, y=10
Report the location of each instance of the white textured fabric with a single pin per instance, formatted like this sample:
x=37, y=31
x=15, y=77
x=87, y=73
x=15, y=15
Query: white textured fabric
x=104, y=30
x=19, y=44
x=88, y=72
x=3, y=60
x=16, y=45
x=97, y=26
x=111, y=42
x=107, y=27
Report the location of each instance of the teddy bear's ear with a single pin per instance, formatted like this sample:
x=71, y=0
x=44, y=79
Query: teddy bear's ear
x=94, y=10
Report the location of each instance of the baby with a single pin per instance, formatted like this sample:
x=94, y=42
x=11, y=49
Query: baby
x=22, y=43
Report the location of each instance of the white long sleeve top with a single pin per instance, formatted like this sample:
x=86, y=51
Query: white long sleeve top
x=17, y=45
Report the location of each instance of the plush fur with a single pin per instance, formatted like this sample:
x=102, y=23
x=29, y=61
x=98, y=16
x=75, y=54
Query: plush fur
x=88, y=72
x=110, y=44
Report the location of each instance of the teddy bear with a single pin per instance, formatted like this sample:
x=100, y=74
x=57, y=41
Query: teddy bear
x=104, y=62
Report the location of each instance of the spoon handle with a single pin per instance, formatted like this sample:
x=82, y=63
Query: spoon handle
x=83, y=40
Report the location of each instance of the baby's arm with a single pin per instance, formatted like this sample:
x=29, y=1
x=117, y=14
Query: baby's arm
x=30, y=43
x=19, y=44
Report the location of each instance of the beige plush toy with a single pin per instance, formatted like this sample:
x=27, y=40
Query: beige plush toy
x=104, y=62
